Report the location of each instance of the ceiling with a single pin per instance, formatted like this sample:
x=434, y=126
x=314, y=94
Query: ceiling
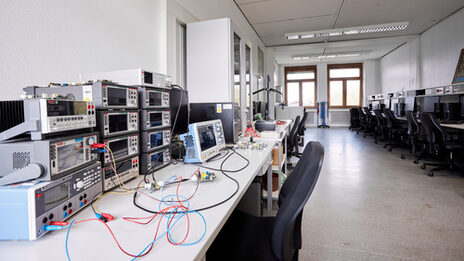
x=272, y=19
x=376, y=47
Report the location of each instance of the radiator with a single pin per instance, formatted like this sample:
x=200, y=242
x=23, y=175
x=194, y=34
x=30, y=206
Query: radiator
x=339, y=118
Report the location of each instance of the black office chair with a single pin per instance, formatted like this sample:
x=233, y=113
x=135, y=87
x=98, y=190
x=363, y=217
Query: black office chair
x=396, y=132
x=416, y=136
x=292, y=139
x=370, y=123
x=247, y=237
x=439, y=144
x=362, y=120
x=354, y=119
x=381, y=130
x=301, y=129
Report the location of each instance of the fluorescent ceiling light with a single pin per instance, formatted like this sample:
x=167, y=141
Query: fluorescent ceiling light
x=329, y=55
x=378, y=28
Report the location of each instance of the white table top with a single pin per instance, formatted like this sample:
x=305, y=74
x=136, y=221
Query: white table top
x=91, y=240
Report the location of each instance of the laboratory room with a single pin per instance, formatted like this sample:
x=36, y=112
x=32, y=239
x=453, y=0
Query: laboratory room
x=232, y=130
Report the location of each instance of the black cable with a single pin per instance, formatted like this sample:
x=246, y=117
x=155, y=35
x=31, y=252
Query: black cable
x=178, y=109
x=216, y=204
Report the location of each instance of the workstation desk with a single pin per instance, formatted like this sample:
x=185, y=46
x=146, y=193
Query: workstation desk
x=277, y=137
x=91, y=240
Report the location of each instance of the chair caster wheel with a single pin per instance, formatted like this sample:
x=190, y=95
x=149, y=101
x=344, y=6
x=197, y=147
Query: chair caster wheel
x=376, y=142
x=431, y=174
x=422, y=166
x=384, y=146
x=390, y=149
x=415, y=161
x=403, y=157
x=364, y=136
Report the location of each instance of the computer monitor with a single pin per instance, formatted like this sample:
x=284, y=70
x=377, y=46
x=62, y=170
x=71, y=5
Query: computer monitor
x=179, y=97
x=203, y=141
x=428, y=104
x=409, y=104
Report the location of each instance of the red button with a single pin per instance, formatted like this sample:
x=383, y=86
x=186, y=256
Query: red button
x=89, y=107
x=85, y=201
x=69, y=211
x=39, y=195
x=93, y=107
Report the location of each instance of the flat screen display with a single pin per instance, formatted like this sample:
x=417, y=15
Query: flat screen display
x=55, y=195
x=156, y=159
x=156, y=119
x=179, y=98
x=156, y=139
x=154, y=98
x=70, y=155
x=429, y=104
x=119, y=148
x=207, y=138
x=117, y=96
x=117, y=122
x=120, y=168
x=66, y=108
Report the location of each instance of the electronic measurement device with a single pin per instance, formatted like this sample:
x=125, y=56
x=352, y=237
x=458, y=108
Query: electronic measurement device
x=151, y=98
x=155, y=119
x=203, y=141
x=54, y=158
x=154, y=160
x=104, y=94
x=126, y=169
x=152, y=140
x=28, y=207
x=122, y=147
x=44, y=116
x=137, y=77
x=112, y=123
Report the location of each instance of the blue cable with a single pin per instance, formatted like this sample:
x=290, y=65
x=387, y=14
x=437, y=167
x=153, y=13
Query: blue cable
x=195, y=242
x=66, y=242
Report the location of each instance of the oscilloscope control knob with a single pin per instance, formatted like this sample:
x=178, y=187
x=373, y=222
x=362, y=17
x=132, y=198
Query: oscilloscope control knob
x=79, y=184
x=91, y=141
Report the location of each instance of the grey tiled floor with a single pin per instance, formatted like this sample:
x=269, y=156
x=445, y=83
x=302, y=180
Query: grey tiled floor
x=370, y=205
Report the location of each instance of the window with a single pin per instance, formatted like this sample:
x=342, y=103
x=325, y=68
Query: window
x=345, y=85
x=300, y=86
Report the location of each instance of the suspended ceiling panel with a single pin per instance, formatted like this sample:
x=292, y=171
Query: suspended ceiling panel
x=273, y=18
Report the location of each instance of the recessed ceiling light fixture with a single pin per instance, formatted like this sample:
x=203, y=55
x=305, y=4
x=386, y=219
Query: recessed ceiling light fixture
x=378, y=28
x=329, y=55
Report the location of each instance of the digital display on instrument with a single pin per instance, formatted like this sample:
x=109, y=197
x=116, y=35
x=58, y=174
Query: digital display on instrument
x=117, y=122
x=70, y=155
x=156, y=159
x=117, y=96
x=119, y=148
x=120, y=168
x=154, y=98
x=207, y=138
x=156, y=139
x=156, y=119
x=55, y=195
x=66, y=108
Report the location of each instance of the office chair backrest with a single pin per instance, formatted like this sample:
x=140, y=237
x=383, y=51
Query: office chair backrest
x=441, y=136
x=391, y=119
x=301, y=126
x=293, y=135
x=380, y=119
x=361, y=113
x=367, y=113
x=413, y=125
x=286, y=233
x=428, y=126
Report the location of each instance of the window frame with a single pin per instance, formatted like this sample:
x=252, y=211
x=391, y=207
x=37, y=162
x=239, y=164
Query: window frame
x=344, y=80
x=312, y=68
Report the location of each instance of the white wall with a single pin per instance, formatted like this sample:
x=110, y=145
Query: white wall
x=400, y=68
x=44, y=41
x=199, y=10
x=440, y=49
x=428, y=61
